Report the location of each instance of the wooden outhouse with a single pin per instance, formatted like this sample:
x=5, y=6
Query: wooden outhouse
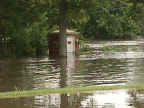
x=72, y=41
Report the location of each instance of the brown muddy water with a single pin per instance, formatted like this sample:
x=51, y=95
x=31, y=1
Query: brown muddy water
x=98, y=69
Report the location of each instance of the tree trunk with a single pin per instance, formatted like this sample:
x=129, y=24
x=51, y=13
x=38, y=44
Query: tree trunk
x=62, y=28
x=63, y=71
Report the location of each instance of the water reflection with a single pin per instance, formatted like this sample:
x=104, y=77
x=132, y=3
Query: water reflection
x=98, y=99
x=63, y=81
x=99, y=68
x=137, y=98
x=11, y=74
x=102, y=99
x=28, y=102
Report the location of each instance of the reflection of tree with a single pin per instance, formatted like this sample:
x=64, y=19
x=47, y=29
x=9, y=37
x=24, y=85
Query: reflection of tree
x=74, y=100
x=63, y=80
x=103, y=70
x=64, y=101
x=136, y=67
x=137, y=98
x=22, y=102
x=143, y=47
x=10, y=74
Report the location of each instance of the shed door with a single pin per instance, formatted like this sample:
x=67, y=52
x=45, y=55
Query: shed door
x=70, y=44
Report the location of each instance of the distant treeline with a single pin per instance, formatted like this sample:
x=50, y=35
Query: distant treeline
x=25, y=24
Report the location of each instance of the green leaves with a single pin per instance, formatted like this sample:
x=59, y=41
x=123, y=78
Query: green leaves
x=27, y=24
x=112, y=22
x=29, y=21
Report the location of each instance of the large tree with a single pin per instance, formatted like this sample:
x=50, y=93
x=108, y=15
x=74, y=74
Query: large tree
x=66, y=9
x=63, y=7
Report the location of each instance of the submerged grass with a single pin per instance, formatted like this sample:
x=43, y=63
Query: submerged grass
x=25, y=93
x=115, y=48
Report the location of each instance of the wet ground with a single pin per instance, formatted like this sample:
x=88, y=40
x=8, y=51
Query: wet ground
x=101, y=99
x=98, y=69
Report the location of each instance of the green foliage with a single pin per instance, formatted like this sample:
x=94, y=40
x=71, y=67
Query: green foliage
x=24, y=25
x=85, y=48
x=106, y=48
x=141, y=21
x=81, y=43
x=18, y=45
x=112, y=24
x=29, y=40
x=136, y=9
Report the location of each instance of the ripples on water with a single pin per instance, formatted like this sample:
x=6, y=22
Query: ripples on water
x=36, y=74
x=99, y=69
x=102, y=68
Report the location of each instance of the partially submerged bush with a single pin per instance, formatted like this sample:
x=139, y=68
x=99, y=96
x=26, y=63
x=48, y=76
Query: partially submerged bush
x=85, y=48
x=106, y=48
x=114, y=48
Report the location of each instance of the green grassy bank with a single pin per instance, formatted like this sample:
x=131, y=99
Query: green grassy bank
x=25, y=93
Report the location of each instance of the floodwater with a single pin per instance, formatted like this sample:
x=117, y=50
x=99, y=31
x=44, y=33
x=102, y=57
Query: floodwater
x=97, y=69
x=102, y=99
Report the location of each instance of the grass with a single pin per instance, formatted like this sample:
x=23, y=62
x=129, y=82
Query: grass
x=24, y=93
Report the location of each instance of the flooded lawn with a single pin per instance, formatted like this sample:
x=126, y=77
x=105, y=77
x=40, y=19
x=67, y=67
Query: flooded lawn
x=101, y=68
x=101, y=99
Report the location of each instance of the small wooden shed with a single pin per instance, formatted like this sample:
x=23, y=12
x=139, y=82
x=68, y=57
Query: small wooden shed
x=72, y=41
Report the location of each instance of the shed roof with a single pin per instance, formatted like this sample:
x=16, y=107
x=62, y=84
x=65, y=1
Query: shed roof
x=67, y=32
